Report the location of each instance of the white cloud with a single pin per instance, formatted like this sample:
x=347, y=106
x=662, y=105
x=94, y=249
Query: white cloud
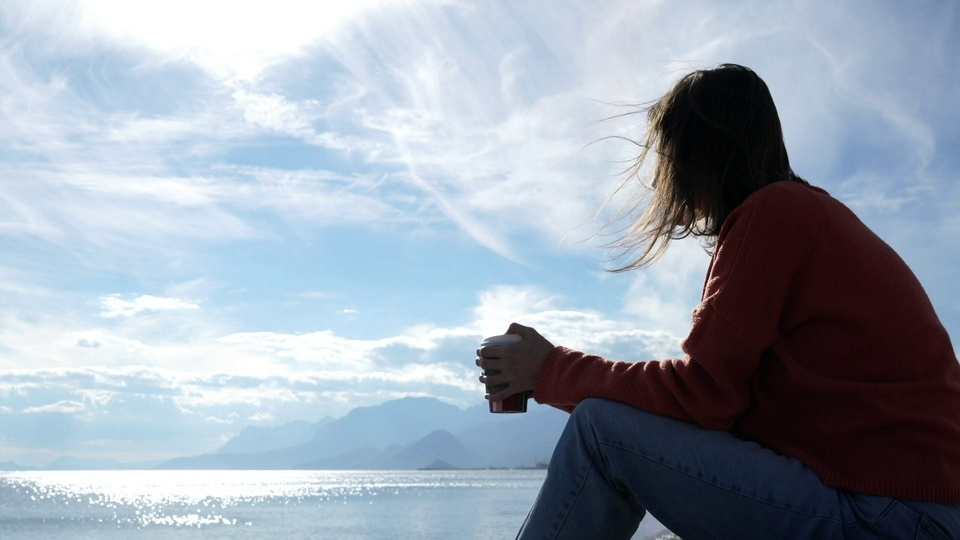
x=135, y=169
x=63, y=406
x=229, y=39
x=311, y=197
x=275, y=113
x=501, y=305
x=268, y=372
x=114, y=306
x=488, y=137
x=261, y=418
x=663, y=296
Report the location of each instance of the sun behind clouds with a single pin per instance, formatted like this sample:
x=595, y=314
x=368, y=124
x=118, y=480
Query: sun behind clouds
x=229, y=39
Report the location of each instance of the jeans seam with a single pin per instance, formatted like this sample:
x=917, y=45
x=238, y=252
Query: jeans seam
x=707, y=482
x=579, y=490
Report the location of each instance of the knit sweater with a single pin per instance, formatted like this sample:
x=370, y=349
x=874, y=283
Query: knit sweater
x=814, y=339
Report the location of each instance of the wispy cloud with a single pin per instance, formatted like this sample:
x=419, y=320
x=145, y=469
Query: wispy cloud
x=228, y=39
x=114, y=306
x=174, y=176
x=196, y=383
x=63, y=406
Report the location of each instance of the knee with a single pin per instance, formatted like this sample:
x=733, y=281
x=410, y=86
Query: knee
x=594, y=411
x=594, y=405
x=590, y=405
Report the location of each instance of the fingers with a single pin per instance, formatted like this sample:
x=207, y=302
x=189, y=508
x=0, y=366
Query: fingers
x=503, y=393
x=494, y=386
x=495, y=359
x=493, y=380
x=497, y=390
x=518, y=329
x=492, y=351
x=490, y=363
x=499, y=350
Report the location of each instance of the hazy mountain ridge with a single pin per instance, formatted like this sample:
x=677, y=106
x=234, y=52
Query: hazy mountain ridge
x=253, y=439
x=408, y=433
x=11, y=466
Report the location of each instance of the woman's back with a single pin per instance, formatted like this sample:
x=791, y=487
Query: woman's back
x=857, y=371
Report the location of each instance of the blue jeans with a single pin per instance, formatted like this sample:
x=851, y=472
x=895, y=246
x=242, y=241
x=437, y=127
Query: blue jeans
x=614, y=463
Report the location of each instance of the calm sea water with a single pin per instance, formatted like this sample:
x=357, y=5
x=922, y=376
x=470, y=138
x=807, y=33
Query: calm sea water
x=268, y=504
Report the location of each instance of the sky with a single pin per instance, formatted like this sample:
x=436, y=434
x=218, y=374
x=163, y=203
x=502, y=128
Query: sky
x=216, y=214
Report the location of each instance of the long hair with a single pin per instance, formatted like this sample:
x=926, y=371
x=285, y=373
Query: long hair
x=716, y=138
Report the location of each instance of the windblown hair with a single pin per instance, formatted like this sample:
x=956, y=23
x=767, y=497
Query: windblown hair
x=716, y=137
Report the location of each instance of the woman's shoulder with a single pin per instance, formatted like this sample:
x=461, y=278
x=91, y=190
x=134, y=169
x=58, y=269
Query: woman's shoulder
x=783, y=212
x=787, y=193
x=787, y=201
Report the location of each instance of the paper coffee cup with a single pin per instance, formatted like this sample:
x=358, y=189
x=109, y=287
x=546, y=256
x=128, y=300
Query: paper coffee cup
x=516, y=403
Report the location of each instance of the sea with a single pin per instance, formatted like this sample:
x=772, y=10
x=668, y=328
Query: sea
x=288, y=505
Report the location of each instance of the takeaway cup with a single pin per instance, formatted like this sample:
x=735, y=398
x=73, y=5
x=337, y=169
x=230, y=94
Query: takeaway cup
x=516, y=403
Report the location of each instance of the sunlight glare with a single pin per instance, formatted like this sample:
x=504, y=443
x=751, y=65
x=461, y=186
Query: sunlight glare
x=226, y=38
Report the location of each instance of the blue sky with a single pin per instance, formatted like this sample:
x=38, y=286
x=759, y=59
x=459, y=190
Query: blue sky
x=219, y=214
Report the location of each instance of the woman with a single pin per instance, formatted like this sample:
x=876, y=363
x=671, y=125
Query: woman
x=819, y=394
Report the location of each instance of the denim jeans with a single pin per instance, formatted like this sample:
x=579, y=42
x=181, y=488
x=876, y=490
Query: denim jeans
x=614, y=463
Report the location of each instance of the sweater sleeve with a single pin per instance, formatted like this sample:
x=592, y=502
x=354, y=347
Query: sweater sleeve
x=686, y=388
x=736, y=321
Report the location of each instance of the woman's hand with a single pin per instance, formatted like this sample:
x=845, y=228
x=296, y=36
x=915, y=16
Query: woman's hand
x=518, y=363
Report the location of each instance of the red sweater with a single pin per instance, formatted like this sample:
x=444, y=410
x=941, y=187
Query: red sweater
x=814, y=339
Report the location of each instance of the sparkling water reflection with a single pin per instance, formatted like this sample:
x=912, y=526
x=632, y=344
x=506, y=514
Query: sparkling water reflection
x=289, y=504
x=266, y=504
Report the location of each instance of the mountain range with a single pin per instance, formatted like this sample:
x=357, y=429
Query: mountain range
x=408, y=433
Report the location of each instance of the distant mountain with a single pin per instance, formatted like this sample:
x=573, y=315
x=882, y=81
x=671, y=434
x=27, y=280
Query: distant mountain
x=440, y=445
x=364, y=458
x=11, y=466
x=512, y=440
x=70, y=463
x=400, y=421
x=439, y=465
x=407, y=433
x=254, y=439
